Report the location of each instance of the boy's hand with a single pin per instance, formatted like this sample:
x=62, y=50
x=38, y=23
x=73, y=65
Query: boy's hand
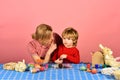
x=63, y=56
x=59, y=61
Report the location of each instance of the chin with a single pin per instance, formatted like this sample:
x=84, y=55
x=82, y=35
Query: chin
x=67, y=46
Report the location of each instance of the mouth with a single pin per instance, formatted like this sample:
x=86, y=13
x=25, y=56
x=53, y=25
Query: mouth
x=66, y=45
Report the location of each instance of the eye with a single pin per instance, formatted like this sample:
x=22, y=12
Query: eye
x=67, y=38
x=63, y=38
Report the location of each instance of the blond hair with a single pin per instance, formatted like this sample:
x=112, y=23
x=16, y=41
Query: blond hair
x=43, y=33
x=70, y=33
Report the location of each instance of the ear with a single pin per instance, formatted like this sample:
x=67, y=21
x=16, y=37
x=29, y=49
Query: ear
x=101, y=46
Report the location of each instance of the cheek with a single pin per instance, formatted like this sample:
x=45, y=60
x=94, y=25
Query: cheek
x=70, y=41
x=63, y=41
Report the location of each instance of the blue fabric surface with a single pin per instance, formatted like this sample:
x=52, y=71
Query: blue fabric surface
x=53, y=74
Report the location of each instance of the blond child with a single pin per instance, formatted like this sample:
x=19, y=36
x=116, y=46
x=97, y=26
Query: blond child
x=42, y=44
x=67, y=52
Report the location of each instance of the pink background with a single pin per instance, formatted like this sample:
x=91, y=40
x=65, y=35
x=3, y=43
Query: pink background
x=97, y=21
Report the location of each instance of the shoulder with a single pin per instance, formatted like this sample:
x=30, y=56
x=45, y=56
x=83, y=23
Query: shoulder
x=75, y=49
x=33, y=42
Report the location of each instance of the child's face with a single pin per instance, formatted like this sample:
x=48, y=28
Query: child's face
x=67, y=42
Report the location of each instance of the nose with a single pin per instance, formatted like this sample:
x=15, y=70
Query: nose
x=65, y=40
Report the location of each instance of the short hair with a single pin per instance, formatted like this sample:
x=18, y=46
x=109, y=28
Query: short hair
x=71, y=33
x=43, y=33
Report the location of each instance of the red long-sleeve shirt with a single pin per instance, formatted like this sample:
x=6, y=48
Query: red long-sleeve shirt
x=73, y=55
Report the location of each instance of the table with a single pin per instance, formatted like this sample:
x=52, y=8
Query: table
x=73, y=73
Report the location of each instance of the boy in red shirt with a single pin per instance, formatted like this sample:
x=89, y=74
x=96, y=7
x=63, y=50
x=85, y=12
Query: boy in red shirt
x=67, y=52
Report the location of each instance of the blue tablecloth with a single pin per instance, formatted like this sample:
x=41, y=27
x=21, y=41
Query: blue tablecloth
x=53, y=74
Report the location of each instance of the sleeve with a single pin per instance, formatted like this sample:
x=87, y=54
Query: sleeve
x=33, y=52
x=31, y=48
x=75, y=58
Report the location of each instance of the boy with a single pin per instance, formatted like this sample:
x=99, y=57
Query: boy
x=67, y=52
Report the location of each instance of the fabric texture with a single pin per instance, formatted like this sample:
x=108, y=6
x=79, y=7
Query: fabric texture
x=73, y=73
x=35, y=47
x=73, y=55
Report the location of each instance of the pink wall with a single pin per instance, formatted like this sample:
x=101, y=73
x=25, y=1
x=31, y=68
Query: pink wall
x=97, y=21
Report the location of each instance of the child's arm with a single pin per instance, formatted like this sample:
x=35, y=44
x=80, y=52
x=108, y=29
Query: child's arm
x=59, y=61
x=75, y=58
x=33, y=52
x=37, y=59
x=47, y=57
x=48, y=54
x=63, y=56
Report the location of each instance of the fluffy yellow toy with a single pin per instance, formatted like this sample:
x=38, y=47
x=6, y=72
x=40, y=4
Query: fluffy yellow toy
x=108, y=57
x=20, y=66
x=9, y=66
x=117, y=74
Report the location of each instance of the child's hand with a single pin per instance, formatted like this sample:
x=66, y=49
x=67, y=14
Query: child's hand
x=63, y=56
x=52, y=47
x=37, y=59
x=58, y=61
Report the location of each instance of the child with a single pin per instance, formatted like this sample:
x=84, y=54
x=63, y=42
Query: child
x=67, y=52
x=42, y=44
